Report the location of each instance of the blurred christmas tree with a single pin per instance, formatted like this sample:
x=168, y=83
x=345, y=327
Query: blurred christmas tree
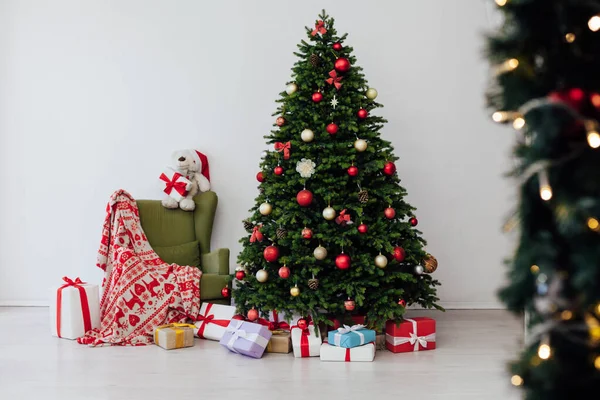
x=546, y=61
x=330, y=233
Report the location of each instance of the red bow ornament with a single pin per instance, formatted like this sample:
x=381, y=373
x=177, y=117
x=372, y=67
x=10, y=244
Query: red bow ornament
x=319, y=28
x=285, y=148
x=334, y=79
x=257, y=235
x=343, y=218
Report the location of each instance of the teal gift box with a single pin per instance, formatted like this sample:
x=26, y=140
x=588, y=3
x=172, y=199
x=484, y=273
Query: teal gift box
x=351, y=336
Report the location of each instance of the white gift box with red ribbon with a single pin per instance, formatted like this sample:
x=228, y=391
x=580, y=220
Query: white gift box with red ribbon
x=305, y=342
x=213, y=320
x=365, y=353
x=175, y=184
x=74, y=309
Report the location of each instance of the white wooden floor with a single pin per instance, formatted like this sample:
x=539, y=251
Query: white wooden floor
x=469, y=364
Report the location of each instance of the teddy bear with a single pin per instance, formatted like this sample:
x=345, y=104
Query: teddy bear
x=193, y=165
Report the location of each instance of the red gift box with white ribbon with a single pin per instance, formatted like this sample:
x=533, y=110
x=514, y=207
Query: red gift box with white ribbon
x=413, y=334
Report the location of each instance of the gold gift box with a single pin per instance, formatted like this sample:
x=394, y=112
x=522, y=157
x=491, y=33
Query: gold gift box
x=281, y=342
x=174, y=336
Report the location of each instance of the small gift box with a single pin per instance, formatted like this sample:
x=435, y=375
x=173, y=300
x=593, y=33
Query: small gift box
x=281, y=342
x=175, y=184
x=416, y=334
x=355, y=354
x=354, y=320
x=246, y=338
x=305, y=342
x=213, y=320
x=351, y=336
x=174, y=336
x=74, y=309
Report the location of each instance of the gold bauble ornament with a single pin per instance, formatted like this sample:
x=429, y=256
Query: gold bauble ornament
x=329, y=213
x=381, y=261
x=360, y=145
x=371, y=93
x=295, y=291
x=265, y=209
x=320, y=253
x=430, y=263
x=262, y=275
x=292, y=87
x=307, y=135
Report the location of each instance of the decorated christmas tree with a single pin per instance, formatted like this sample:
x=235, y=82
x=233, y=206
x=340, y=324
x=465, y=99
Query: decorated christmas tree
x=330, y=234
x=546, y=59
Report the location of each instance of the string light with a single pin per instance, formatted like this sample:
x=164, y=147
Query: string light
x=544, y=351
x=597, y=362
x=593, y=224
x=545, y=188
x=598, y=309
x=519, y=123
x=534, y=269
x=594, y=23
x=566, y=315
x=570, y=37
x=516, y=380
x=593, y=137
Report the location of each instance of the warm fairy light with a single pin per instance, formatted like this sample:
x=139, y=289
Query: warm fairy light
x=501, y=3
x=535, y=269
x=597, y=362
x=566, y=315
x=544, y=351
x=506, y=66
x=594, y=23
x=595, y=99
x=516, y=380
x=593, y=139
x=570, y=37
x=512, y=63
x=499, y=116
x=545, y=188
x=519, y=123
x=598, y=309
x=593, y=224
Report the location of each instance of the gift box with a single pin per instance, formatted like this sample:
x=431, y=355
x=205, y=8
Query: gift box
x=281, y=342
x=213, y=320
x=354, y=319
x=246, y=338
x=380, y=342
x=74, y=309
x=175, y=184
x=174, y=336
x=363, y=353
x=305, y=342
x=416, y=334
x=351, y=336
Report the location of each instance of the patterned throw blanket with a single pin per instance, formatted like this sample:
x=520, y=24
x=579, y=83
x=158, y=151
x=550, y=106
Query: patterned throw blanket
x=140, y=291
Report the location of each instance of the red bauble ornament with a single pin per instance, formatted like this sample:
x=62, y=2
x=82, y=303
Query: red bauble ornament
x=284, y=272
x=280, y=121
x=342, y=261
x=317, y=97
x=362, y=113
x=260, y=177
x=389, y=168
x=389, y=213
x=271, y=253
x=362, y=228
x=226, y=292
x=399, y=254
x=402, y=302
x=307, y=233
x=353, y=171
x=413, y=221
x=302, y=323
x=341, y=64
x=278, y=170
x=349, y=305
x=239, y=275
x=337, y=46
x=304, y=198
x=332, y=128
x=252, y=315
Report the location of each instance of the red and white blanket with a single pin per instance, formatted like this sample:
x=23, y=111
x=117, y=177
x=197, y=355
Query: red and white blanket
x=140, y=291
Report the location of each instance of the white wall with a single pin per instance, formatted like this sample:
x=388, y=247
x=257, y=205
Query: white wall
x=94, y=96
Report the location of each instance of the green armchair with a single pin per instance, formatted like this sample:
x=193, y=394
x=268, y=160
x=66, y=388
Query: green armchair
x=183, y=237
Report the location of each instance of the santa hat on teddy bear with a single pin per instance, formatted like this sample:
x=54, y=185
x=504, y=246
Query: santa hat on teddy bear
x=201, y=158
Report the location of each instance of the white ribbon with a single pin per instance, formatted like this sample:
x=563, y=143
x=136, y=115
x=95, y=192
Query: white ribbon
x=337, y=338
x=237, y=333
x=413, y=338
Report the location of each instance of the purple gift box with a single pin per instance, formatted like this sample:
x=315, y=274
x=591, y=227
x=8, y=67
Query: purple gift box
x=246, y=338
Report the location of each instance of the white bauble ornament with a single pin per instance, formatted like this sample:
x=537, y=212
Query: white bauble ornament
x=291, y=88
x=360, y=145
x=320, y=253
x=419, y=270
x=265, y=209
x=262, y=275
x=329, y=213
x=307, y=135
x=264, y=154
x=381, y=261
x=371, y=93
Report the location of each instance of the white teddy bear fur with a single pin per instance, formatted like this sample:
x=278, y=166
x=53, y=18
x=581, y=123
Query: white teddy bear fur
x=184, y=163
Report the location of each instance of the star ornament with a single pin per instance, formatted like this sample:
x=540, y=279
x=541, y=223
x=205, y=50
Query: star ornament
x=334, y=102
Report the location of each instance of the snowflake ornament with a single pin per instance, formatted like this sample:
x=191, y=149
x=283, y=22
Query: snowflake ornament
x=334, y=102
x=305, y=167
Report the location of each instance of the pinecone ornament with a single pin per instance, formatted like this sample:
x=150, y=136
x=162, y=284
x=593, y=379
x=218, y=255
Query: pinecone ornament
x=281, y=233
x=314, y=60
x=248, y=225
x=313, y=283
x=363, y=196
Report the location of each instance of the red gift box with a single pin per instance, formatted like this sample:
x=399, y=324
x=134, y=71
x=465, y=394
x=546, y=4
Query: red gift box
x=413, y=334
x=356, y=319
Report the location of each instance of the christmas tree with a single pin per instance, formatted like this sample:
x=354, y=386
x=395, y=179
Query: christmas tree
x=330, y=233
x=546, y=59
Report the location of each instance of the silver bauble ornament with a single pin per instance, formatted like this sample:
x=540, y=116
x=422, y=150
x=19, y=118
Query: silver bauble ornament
x=307, y=135
x=320, y=253
x=265, y=209
x=291, y=88
x=264, y=154
x=360, y=145
x=419, y=270
x=371, y=93
x=381, y=261
x=262, y=275
x=329, y=213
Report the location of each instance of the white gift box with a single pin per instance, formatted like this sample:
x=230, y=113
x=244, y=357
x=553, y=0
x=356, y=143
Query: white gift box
x=365, y=353
x=174, y=184
x=306, y=345
x=69, y=324
x=213, y=321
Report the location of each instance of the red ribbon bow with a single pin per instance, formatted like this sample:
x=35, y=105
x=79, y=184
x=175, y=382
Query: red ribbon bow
x=285, y=147
x=257, y=235
x=275, y=324
x=304, y=345
x=343, y=218
x=334, y=80
x=319, y=28
x=85, y=307
x=173, y=184
x=209, y=319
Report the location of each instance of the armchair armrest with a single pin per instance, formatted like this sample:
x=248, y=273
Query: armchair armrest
x=216, y=262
